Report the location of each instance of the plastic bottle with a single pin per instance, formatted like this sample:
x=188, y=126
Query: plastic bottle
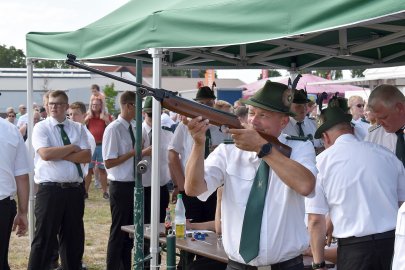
x=168, y=221
x=180, y=218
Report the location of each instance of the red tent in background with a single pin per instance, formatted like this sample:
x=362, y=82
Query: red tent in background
x=304, y=83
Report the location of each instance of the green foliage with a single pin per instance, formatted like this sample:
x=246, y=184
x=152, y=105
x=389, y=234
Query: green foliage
x=110, y=95
x=271, y=73
x=357, y=73
x=329, y=74
x=11, y=57
x=51, y=64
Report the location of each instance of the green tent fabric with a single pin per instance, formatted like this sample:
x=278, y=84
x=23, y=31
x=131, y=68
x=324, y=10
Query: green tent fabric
x=238, y=33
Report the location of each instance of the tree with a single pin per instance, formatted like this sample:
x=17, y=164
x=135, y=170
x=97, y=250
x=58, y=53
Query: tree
x=329, y=74
x=356, y=73
x=11, y=57
x=51, y=64
x=271, y=73
x=110, y=95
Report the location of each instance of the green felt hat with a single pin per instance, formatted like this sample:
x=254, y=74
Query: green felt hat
x=147, y=105
x=274, y=97
x=332, y=117
x=300, y=97
x=205, y=92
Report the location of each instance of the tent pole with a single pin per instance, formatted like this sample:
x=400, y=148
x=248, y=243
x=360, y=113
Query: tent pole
x=157, y=56
x=30, y=83
x=138, y=190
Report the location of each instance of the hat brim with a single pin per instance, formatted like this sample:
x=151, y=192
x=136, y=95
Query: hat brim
x=265, y=107
x=329, y=124
x=147, y=110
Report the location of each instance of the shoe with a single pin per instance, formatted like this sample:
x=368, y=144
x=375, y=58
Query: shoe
x=106, y=196
x=86, y=195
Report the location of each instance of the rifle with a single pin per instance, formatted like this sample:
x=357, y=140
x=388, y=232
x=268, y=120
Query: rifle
x=182, y=106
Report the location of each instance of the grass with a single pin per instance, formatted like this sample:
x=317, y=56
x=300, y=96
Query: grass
x=97, y=220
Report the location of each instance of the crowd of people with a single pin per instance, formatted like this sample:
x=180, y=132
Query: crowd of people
x=284, y=186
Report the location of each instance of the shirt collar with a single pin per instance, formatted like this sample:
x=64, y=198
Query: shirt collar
x=55, y=122
x=345, y=138
x=123, y=121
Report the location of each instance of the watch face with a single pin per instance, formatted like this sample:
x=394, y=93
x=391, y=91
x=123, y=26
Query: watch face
x=266, y=148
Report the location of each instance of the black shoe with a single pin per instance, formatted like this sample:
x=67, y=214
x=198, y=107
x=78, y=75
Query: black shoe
x=106, y=196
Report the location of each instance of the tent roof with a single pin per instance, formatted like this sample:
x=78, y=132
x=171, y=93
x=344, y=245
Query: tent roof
x=306, y=82
x=317, y=34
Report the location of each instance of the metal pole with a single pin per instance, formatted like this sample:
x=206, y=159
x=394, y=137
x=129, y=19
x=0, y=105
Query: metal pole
x=30, y=83
x=138, y=190
x=156, y=127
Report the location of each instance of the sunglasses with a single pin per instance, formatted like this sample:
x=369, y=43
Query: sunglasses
x=360, y=105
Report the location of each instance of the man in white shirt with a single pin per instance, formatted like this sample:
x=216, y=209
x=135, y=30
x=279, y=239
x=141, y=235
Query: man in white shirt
x=14, y=169
x=165, y=138
x=300, y=124
x=276, y=234
x=118, y=154
x=179, y=151
x=360, y=185
x=61, y=148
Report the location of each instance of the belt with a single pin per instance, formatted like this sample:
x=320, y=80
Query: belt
x=97, y=144
x=7, y=199
x=371, y=237
x=282, y=265
x=61, y=185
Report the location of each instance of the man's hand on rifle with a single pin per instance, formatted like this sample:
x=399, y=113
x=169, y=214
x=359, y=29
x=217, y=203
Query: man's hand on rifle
x=247, y=139
x=197, y=128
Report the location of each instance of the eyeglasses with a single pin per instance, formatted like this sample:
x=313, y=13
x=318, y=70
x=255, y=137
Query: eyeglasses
x=11, y=116
x=360, y=105
x=56, y=104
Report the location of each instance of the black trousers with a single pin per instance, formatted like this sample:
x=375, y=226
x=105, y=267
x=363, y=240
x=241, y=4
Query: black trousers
x=8, y=210
x=122, y=213
x=58, y=210
x=368, y=255
x=200, y=211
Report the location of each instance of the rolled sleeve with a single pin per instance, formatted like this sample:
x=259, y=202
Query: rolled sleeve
x=317, y=204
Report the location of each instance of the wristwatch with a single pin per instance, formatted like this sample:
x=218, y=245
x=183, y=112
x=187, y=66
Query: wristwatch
x=265, y=150
x=318, y=265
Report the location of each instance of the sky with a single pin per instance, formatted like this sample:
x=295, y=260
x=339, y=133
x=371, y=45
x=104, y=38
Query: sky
x=18, y=17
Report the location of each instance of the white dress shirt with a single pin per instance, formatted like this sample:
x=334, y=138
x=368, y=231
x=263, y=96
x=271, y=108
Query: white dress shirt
x=379, y=136
x=47, y=134
x=360, y=129
x=309, y=126
x=15, y=161
x=117, y=142
x=22, y=120
x=360, y=185
x=398, y=263
x=165, y=138
x=182, y=142
x=283, y=233
x=166, y=120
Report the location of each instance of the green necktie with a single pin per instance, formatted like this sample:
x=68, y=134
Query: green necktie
x=252, y=221
x=400, y=149
x=131, y=133
x=66, y=141
x=207, y=143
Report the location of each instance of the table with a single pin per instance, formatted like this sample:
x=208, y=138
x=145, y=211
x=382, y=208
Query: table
x=210, y=248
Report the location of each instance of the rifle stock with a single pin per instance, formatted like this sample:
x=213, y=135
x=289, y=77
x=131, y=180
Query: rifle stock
x=182, y=106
